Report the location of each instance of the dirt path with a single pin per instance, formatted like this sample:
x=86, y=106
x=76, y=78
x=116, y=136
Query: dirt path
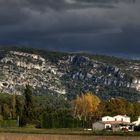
x=4, y=136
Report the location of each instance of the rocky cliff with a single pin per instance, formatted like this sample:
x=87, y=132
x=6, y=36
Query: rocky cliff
x=68, y=74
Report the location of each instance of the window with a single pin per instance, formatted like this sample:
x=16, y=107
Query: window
x=122, y=119
x=115, y=119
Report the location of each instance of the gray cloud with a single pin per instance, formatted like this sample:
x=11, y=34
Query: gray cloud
x=103, y=26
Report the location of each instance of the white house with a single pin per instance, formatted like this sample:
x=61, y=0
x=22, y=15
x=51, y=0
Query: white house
x=136, y=123
x=116, y=120
x=122, y=118
x=107, y=119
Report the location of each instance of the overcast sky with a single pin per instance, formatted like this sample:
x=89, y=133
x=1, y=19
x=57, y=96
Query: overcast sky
x=95, y=26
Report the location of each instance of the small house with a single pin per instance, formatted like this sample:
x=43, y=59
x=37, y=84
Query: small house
x=107, y=119
x=117, y=122
x=122, y=119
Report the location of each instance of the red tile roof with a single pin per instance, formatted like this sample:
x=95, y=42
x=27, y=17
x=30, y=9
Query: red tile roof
x=115, y=122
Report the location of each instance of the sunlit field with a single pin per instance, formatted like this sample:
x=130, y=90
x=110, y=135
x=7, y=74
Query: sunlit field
x=5, y=136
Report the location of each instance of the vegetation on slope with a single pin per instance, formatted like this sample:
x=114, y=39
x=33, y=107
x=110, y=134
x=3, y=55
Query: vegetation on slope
x=42, y=112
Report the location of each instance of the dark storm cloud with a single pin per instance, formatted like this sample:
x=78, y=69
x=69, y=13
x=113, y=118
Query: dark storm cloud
x=44, y=4
x=98, y=26
x=107, y=1
x=11, y=12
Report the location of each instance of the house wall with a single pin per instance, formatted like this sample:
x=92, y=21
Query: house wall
x=107, y=119
x=139, y=119
x=108, y=126
x=122, y=118
x=136, y=123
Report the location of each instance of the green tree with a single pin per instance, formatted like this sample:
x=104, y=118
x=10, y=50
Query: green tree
x=13, y=106
x=27, y=113
x=6, y=112
x=117, y=106
x=136, y=111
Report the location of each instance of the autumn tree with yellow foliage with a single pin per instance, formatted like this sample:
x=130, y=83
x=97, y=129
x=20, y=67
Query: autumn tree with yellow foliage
x=85, y=106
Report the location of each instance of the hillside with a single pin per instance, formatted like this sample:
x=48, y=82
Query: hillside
x=68, y=74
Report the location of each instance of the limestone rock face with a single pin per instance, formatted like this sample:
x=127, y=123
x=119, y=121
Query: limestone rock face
x=68, y=75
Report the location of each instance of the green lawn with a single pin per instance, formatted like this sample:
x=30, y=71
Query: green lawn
x=44, y=131
x=31, y=130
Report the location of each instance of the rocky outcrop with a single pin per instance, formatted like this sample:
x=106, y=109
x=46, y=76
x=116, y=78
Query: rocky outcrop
x=69, y=75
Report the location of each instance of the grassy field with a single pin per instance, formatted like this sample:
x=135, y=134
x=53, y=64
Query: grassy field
x=44, y=131
x=14, y=136
x=71, y=132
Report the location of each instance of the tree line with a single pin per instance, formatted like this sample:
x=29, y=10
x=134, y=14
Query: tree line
x=51, y=111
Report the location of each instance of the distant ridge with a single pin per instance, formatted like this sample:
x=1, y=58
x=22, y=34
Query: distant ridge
x=68, y=74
